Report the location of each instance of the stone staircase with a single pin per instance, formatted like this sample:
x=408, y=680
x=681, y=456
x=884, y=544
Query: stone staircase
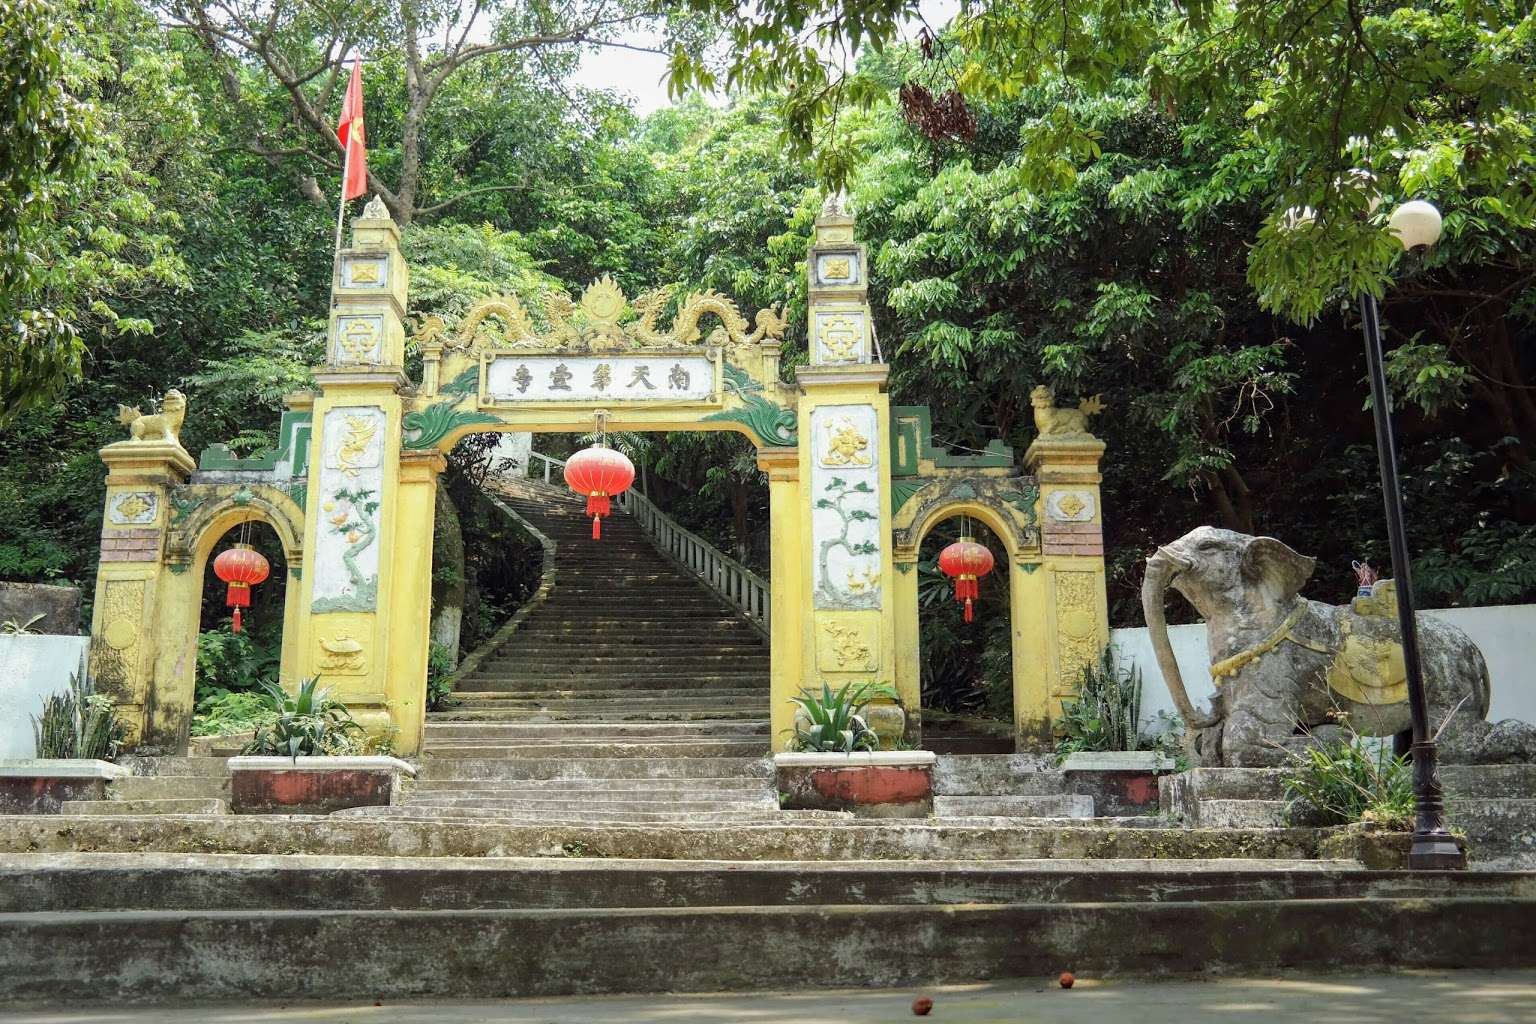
x=1493, y=804
x=628, y=691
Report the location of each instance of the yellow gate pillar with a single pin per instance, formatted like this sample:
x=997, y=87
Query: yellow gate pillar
x=1075, y=624
x=361, y=563
x=787, y=587
x=848, y=629
x=136, y=593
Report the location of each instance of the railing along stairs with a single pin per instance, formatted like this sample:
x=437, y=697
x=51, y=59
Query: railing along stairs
x=728, y=578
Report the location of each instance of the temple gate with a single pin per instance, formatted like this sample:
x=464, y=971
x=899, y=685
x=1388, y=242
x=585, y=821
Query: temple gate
x=853, y=487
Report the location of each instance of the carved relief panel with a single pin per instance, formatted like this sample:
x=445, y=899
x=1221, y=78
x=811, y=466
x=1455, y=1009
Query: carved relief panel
x=845, y=507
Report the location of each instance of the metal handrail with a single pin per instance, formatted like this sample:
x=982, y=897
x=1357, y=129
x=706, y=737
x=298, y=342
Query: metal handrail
x=728, y=578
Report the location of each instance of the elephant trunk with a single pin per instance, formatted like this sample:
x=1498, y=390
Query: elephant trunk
x=1161, y=568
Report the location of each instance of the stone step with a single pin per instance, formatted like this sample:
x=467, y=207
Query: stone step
x=169, y=787
x=568, y=766
x=587, y=816
x=72, y=882
x=596, y=697
x=397, y=954
x=174, y=766
x=1060, y=806
x=458, y=732
x=587, y=805
x=169, y=806
x=695, y=682
x=650, y=788
x=995, y=775
x=580, y=662
x=660, y=747
x=618, y=648
x=556, y=715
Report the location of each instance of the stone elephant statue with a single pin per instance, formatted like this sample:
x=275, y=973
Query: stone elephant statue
x=1287, y=666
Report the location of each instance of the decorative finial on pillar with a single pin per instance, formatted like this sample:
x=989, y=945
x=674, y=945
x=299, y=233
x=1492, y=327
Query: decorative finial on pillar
x=375, y=210
x=835, y=205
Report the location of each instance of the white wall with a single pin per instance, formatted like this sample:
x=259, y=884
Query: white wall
x=1505, y=634
x=31, y=668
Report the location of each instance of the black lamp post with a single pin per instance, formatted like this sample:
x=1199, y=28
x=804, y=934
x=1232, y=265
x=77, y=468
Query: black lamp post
x=1415, y=224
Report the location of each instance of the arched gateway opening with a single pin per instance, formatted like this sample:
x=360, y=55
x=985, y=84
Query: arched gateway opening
x=853, y=487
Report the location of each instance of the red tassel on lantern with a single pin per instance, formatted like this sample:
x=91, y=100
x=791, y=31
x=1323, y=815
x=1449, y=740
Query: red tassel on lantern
x=967, y=562
x=600, y=473
x=242, y=567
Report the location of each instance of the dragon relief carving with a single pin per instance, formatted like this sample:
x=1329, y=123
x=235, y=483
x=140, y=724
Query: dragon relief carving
x=593, y=322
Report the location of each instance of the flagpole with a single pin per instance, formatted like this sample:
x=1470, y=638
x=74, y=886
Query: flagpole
x=341, y=211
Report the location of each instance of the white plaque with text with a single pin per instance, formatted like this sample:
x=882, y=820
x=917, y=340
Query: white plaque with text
x=622, y=377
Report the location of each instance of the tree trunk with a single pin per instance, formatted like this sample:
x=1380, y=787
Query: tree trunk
x=447, y=575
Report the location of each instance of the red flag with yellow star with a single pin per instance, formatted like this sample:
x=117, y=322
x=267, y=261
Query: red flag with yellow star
x=350, y=132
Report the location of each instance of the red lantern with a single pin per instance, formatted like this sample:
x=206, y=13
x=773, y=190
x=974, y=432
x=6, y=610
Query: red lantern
x=967, y=562
x=599, y=473
x=242, y=567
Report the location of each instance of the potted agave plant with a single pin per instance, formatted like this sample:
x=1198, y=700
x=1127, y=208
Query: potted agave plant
x=310, y=757
x=834, y=761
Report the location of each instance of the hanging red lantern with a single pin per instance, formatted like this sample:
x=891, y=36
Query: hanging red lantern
x=599, y=473
x=967, y=562
x=242, y=567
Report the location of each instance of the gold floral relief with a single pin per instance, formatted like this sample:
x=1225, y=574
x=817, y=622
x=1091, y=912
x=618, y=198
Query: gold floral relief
x=846, y=445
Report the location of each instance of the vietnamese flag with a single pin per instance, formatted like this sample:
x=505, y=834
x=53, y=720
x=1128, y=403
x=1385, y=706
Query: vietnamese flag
x=350, y=132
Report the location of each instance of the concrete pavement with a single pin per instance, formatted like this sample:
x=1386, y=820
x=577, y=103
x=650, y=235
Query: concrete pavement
x=1448, y=997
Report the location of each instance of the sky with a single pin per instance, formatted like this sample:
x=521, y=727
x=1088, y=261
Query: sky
x=642, y=75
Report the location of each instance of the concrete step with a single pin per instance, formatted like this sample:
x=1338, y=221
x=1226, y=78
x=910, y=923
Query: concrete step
x=607, y=788
x=995, y=775
x=170, y=806
x=619, y=648
x=174, y=766
x=65, y=882
x=149, y=955
x=656, y=678
x=660, y=747
x=594, y=696
x=580, y=662
x=588, y=805
x=169, y=787
x=586, y=816
x=556, y=715
x=567, y=766
x=440, y=732
x=1060, y=806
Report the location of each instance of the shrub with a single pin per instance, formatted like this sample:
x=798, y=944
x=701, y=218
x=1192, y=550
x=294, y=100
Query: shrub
x=835, y=723
x=232, y=661
x=305, y=724
x=228, y=712
x=77, y=722
x=1106, y=713
x=1343, y=781
x=439, y=668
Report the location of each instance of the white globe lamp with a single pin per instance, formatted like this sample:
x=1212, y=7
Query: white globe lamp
x=1415, y=223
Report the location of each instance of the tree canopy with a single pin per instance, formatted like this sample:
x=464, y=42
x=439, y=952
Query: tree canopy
x=1089, y=195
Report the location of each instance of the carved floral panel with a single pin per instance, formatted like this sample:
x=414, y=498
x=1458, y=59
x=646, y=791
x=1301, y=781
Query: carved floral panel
x=845, y=507
x=346, y=550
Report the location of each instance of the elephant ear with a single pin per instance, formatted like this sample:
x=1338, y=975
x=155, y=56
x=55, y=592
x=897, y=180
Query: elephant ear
x=1275, y=563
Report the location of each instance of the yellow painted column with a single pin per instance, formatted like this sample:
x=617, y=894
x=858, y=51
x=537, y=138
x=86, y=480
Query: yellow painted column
x=786, y=588
x=1072, y=550
x=410, y=597
x=909, y=672
x=1032, y=678
x=845, y=473
x=356, y=522
x=137, y=607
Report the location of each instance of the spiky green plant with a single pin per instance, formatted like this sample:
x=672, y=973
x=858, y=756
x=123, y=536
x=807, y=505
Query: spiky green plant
x=1336, y=782
x=836, y=725
x=10, y=627
x=77, y=722
x=304, y=724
